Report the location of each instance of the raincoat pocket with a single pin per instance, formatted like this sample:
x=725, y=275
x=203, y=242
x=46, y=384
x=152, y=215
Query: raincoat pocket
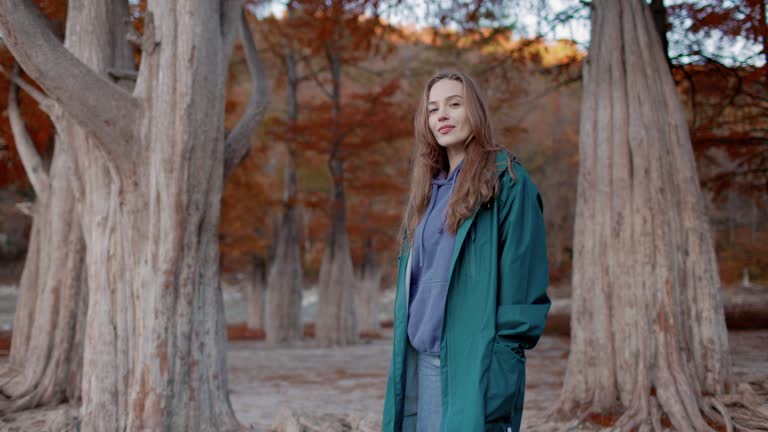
x=506, y=378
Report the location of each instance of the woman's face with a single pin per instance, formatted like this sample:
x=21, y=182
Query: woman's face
x=448, y=119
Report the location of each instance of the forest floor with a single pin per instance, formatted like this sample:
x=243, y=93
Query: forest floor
x=351, y=381
x=265, y=380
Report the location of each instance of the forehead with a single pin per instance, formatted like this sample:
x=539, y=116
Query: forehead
x=445, y=88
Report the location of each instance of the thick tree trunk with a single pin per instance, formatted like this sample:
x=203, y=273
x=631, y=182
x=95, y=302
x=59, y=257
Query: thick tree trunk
x=285, y=282
x=156, y=336
x=45, y=361
x=152, y=165
x=335, y=322
x=46, y=352
x=286, y=279
x=648, y=335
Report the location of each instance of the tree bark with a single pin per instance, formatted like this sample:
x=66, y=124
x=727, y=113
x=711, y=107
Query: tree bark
x=111, y=116
x=45, y=361
x=648, y=334
x=286, y=279
x=238, y=143
x=155, y=354
x=285, y=282
x=255, y=295
x=367, y=308
x=335, y=322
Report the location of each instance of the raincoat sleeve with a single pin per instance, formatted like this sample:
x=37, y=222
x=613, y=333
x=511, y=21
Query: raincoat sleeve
x=522, y=301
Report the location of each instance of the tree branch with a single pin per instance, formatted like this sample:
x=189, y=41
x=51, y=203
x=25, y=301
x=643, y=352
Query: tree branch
x=314, y=74
x=31, y=160
x=230, y=12
x=239, y=141
x=36, y=94
x=97, y=104
x=26, y=208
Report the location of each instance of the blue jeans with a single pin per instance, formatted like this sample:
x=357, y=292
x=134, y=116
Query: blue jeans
x=423, y=409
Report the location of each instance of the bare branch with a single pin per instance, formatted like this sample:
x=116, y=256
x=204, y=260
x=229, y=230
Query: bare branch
x=97, y=104
x=26, y=208
x=36, y=94
x=230, y=12
x=239, y=141
x=315, y=75
x=31, y=160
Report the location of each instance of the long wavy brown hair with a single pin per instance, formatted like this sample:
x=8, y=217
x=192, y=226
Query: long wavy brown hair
x=477, y=182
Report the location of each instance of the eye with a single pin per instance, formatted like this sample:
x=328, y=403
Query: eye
x=432, y=110
x=455, y=105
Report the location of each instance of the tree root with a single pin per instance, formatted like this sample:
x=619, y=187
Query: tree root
x=655, y=412
x=738, y=412
x=712, y=407
x=631, y=419
x=747, y=411
x=572, y=414
x=18, y=393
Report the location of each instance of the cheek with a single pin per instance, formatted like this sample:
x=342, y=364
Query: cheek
x=464, y=120
x=431, y=124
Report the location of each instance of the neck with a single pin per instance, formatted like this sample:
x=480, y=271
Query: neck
x=455, y=156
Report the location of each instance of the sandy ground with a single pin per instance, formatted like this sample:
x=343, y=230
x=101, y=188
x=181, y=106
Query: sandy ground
x=265, y=379
x=352, y=380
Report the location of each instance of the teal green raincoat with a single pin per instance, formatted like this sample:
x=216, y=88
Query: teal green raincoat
x=496, y=308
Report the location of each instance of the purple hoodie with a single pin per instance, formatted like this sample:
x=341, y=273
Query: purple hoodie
x=432, y=253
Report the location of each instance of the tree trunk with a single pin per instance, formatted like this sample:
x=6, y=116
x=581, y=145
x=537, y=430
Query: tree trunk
x=285, y=283
x=335, y=323
x=155, y=339
x=286, y=279
x=255, y=295
x=45, y=361
x=152, y=164
x=367, y=308
x=648, y=335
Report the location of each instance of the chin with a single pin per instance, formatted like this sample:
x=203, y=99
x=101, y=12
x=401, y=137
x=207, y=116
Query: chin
x=452, y=143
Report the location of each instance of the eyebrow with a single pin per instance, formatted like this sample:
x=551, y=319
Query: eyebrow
x=449, y=97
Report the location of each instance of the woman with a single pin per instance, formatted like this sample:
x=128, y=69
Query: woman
x=472, y=279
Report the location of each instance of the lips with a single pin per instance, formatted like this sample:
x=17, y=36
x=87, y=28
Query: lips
x=445, y=129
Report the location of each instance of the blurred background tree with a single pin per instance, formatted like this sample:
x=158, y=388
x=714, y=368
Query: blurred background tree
x=526, y=55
